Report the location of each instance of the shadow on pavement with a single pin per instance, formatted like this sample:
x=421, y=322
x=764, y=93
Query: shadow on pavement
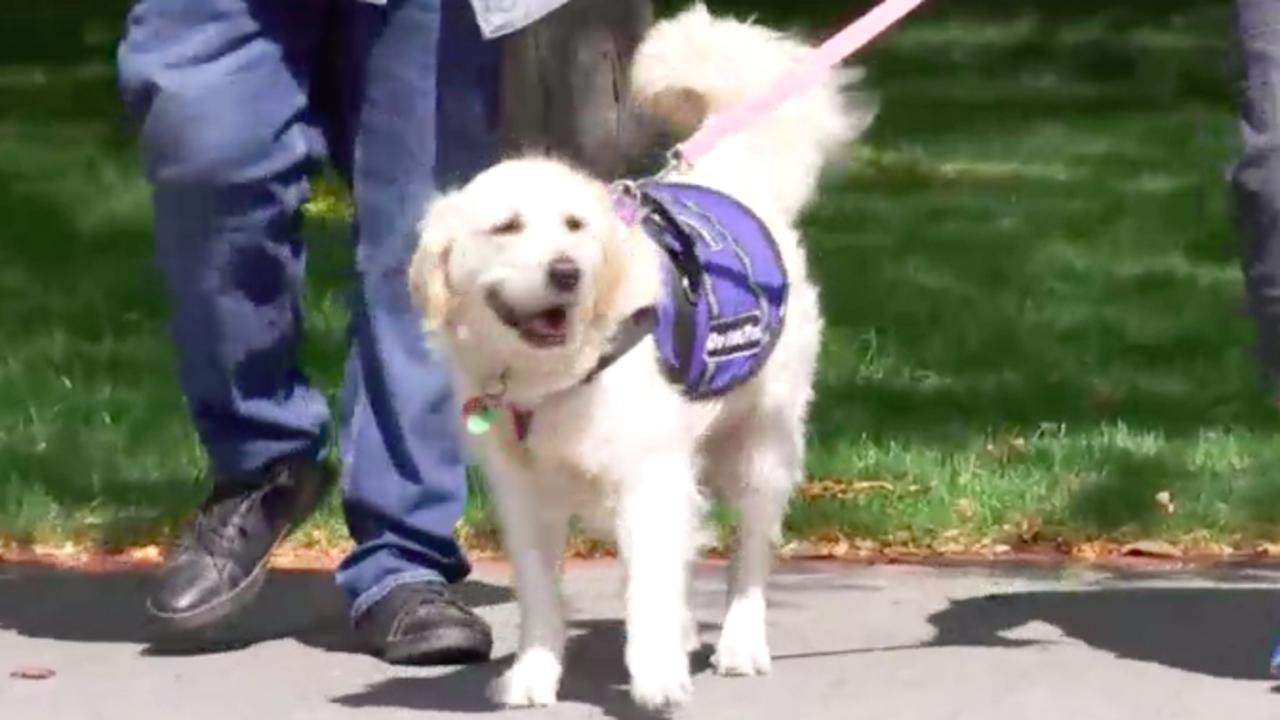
x=595, y=675
x=1220, y=632
x=110, y=607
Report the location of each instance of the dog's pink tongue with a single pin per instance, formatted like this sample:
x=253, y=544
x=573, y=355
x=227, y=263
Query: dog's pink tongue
x=550, y=322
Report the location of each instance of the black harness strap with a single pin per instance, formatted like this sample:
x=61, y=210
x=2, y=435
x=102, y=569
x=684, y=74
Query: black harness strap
x=686, y=260
x=659, y=222
x=629, y=334
x=641, y=323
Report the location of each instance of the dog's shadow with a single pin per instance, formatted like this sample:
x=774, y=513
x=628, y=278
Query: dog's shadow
x=594, y=674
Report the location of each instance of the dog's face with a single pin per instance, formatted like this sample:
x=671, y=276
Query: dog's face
x=521, y=262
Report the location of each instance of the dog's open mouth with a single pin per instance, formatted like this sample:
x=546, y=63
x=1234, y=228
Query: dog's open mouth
x=546, y=328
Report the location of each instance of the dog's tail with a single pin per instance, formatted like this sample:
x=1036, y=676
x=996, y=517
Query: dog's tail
x=694, y=65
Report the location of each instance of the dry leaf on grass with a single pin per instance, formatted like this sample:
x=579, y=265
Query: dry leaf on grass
x=805, y=550
x=1089, y=550
x=1151, y=548
x=1268, y=549
x=1029, y=529
x=1007, y=447
x=841, y=490
x=146, y=553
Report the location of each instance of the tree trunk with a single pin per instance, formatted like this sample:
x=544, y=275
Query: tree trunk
x=565, y=85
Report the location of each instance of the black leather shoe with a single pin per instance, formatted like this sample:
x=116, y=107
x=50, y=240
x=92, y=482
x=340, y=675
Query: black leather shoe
x=421, y=623
x=220, y=563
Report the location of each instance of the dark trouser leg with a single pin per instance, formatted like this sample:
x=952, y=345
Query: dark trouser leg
x=423, y=109
x=220, y=89
x=1256, y=178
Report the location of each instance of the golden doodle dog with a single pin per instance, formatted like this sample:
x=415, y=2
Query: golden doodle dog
x=610, y=376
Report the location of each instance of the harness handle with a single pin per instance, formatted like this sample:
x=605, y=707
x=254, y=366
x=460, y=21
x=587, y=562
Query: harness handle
x=686, y=260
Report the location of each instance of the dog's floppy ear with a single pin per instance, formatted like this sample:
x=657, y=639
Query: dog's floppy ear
x=609, y=280
x=429, y=270
x=629, y=276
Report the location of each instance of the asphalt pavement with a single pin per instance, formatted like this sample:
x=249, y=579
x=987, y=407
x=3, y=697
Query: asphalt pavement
x=881, y=642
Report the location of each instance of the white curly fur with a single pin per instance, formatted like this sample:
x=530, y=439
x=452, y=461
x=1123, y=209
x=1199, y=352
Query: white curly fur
x=628, y=453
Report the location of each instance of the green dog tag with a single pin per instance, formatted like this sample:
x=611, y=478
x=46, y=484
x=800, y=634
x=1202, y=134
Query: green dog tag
x=480, y=421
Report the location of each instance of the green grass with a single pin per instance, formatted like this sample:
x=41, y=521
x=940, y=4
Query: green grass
x=1029, y=273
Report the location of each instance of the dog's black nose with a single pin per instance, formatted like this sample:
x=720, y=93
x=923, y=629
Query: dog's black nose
x=563, y=275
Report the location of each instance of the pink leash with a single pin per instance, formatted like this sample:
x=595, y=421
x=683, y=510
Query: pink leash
x=799, y=78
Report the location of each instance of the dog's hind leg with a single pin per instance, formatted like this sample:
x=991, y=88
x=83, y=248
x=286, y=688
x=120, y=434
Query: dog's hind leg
x=766, y=461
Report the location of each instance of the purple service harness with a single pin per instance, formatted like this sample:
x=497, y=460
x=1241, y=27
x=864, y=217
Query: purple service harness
x=726, y=286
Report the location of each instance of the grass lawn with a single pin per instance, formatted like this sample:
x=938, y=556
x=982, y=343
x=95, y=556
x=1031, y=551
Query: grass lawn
x=1030, y=276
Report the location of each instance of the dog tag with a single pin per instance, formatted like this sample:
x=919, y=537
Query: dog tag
x=478, y=415
x=479, y=423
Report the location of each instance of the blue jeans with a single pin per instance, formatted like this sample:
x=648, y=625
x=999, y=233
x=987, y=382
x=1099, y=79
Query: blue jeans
x=238, y=102
x=1256, y=176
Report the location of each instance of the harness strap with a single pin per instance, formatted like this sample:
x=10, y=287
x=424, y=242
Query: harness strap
x=635, y=328
x=629, y=335
x=686, y=259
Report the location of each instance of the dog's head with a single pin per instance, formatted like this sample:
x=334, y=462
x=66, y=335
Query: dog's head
x=527, y=266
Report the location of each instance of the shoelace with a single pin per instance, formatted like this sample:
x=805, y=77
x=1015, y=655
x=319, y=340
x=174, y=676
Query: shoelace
x=220, y=523
x=439, y=592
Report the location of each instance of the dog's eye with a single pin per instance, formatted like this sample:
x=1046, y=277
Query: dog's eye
x=510, y=226
x=574, y=223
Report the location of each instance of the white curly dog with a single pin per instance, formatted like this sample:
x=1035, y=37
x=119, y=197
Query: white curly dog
x=524, y=276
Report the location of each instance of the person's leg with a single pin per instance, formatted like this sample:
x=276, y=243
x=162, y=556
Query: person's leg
x=425, y=118
x=219, y=88
x=1256, y=185
x=1256, y=176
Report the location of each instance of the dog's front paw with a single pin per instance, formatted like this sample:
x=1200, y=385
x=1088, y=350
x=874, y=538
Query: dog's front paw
x=742, y=650
x=532, y=682
x=660, y=680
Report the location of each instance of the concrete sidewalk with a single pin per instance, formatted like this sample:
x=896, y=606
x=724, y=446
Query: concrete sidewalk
x=882, y=643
